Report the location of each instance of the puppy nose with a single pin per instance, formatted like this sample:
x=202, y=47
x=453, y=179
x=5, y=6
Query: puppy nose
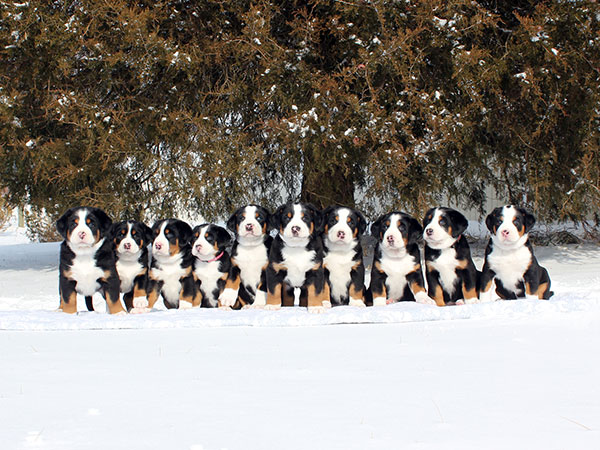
x=429, y=231
x=505, y=233
x=198, y=247
x=249, y=227
x=127, y=246
x=81, y=235
x=341, y=235
x=295, y=230
x=157, y=246
x=390, y=239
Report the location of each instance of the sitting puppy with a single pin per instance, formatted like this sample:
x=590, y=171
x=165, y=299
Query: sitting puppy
x=509, y=259
x=171, y=272
x=296, y=259
x=212, y=266
x=250, y=253
x=343, y=262
x=451, y=274
x=131, y=241
x=396, y=274
x=87, y=260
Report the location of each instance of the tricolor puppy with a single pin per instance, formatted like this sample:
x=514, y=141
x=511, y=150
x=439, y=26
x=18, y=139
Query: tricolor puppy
x=250, y=253
x=451, y=274
x=509, y=259
x=396, y=274
x=343, y=256
x=131, y=240
x=171, y=272
x=296, y=259
x=212, y=266
x=87, y=260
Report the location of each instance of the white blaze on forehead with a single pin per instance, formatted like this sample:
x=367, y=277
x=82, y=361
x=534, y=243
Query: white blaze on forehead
x=341, y=225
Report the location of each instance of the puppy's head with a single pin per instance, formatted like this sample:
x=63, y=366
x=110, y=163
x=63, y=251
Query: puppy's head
x=395, y=231
x=343, y=226
x=296, y=223
x=443, y=226
x=509, y=226
x=249, y=223
x=208, y=241
x=130, y=237
x=170, y=238
x=84, y=226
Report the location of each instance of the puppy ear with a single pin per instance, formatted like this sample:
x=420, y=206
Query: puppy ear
x=415, y=230
x=317, y=217
x=186, y=232
x=425, y=217
x=529, y=219
x=325, y=218
x=275, y=218
x=105, y=221
x=376, y=227
x=492, y=219
x=147, y=233
x=223, y=237
x=112, y=233
x=232, y=222
x=62, y=225
x=362, y=223
x=459, y=221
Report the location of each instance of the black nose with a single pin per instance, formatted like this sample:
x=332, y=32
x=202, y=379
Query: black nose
x=295, y=230
x=127, y=246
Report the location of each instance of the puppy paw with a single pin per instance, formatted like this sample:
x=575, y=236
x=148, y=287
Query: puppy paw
x=120, y=313
x=316, y=309
x=185, y=305
x=260, y=299
x=356, y=302
x=471, y=301
x=228, y=297
x=140, y=302
x=226, y=308
x=139, y=310
x=460, y=302
x=254, y=306
x=272, y=307
x=379, y=301
x=423, y=298
x=327, y=304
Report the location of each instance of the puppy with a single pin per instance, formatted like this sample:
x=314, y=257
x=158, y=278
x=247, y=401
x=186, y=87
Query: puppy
x=131, y=240
x=250, y=253
x=343, y=262
x=171, y=272
x=509, y=259
x=212, y=266
x=451, y=274
x=87, y=260
x=396, y=274
x=296, y=259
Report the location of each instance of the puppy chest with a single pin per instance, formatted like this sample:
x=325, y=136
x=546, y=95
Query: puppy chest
x=396, y=270
x=251, y=261
x=86, y=273
x=339, y=265
x=208, y=274
x=298, y=261
x=127, y=271
x=446, y=265
x=510, y=266
x=170, y=275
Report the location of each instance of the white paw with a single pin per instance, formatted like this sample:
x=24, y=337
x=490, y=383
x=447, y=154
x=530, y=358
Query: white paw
x=486, y=297
x=471, y=301
x=327, y=304
x=423, y=298
x=271, y=307
x=356, y=302
x=226, y=308
x=140, y=302
x=185, y=305
x=379, y=301
x=260, y=299
x=254, y=306
x=120, y=313
x=139, y=310
x=228, y=297
x=316, y=309
x=460, y=302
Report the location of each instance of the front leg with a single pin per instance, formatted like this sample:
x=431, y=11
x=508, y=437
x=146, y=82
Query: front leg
x=434, y=288
x=416, y=283
x=356, y=290
x=315, y=286
x=68, y=295
x=187, y=293
x=487, y=280
x=110, y=289
x=275, y=277
x=229, y=295
x=377, y=287
x=469, y=286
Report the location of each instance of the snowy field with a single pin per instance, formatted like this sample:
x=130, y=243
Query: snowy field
x=504, y=375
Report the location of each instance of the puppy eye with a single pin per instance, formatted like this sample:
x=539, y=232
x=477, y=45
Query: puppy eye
x=133, y=233
x=123, y=232
x=206, y=235
x=167, y=231
x=443, y=222
x=517, y=222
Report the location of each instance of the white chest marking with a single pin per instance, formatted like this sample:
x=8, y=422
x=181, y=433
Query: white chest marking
x=298, y=261
x=208, y=274
x=510, y=266
x=339, y=264
x=128, y=269
x=170, y=273
x=85, y=271
x=251, y=260
x=396, y=270
x=446, y=265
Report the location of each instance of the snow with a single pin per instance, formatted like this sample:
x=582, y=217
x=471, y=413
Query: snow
x=520, y=374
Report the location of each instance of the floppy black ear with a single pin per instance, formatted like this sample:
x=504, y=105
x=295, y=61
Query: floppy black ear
x=147, y=233
x=275, y=218
x=223, y=237
x=376, y=227
x=62, y=223
x=459, y=221
x=529, y=219
x=317, y=216
x=491, y=219
x=231, y=223
x=362, y=223
x=325, y=216
x=186, y=231
x=427, y=217
x=415, y=230
x=112, y=233
x=105, y=221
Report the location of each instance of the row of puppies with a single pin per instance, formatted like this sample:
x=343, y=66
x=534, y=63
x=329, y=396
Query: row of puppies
x=316, y=251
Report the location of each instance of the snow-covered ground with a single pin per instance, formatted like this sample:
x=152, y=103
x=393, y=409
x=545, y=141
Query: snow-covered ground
x=521, y=374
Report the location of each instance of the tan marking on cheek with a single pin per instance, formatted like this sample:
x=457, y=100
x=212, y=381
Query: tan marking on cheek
x=521, y=231
x=216, y=246
x=264, y=228
x=69, y=305
x=326, y=228
x=450, y=230
x=312, y=227
x=174, y=248
x=439, y=296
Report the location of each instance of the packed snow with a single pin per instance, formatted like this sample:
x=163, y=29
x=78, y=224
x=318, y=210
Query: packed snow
x=519, y=374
